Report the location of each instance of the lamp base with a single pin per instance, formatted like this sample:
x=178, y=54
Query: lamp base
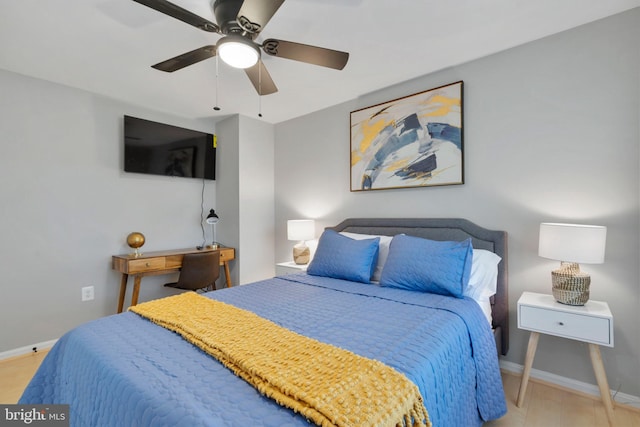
x=301, y=254
x=569, y=285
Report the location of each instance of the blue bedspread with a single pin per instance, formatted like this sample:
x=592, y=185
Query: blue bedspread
x=123, y=370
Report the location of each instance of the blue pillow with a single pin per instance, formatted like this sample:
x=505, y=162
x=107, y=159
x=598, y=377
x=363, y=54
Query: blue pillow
x=428, y=266
x=341, y=257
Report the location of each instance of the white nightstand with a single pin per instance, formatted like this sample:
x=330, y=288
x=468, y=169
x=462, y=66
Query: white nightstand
x=289, y=267
x=591, y=323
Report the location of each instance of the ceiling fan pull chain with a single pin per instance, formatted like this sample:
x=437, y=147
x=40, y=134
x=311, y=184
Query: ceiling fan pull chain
x=259, y=89
x=216, y=108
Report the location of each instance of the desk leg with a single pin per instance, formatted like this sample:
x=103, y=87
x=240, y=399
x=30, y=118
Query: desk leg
x=136, y=289
x=123, y=291
x=603, y=384
x=227, y=274
x=528, y=362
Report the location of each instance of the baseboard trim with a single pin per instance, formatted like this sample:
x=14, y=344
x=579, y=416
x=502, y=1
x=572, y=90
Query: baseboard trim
x=27, y=349
x=579, y=386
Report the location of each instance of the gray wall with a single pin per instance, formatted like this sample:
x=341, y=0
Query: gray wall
x=67, y=206
x=551, y=133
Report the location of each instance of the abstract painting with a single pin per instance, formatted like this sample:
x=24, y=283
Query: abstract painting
x=415, y=141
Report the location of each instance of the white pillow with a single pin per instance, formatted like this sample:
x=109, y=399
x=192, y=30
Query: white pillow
x=486, y=309
x=483, y=280
x=383, y=250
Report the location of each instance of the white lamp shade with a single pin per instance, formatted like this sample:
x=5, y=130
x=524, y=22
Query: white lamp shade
x=301, y=229
x=582, y=244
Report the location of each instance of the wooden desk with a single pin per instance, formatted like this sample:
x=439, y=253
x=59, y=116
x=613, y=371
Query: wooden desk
x=159, y=262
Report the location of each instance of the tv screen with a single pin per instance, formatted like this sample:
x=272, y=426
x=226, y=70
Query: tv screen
x=161, y=149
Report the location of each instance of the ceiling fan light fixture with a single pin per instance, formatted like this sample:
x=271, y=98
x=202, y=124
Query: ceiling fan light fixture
x=238, y=52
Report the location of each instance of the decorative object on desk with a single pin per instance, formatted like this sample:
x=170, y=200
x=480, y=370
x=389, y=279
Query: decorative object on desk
x=301, y=230
x=572, y=244
x=135, y=240
x=212, y=220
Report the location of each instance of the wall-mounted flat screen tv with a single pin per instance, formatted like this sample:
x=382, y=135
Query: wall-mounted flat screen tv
x=162, y=149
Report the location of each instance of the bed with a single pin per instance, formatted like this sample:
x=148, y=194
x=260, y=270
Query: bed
x=124, y=370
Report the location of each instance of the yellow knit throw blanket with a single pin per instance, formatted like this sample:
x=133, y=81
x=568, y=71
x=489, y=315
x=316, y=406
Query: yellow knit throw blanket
x=328, y=385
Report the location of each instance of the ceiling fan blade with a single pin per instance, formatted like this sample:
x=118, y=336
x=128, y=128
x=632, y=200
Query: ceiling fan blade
x=186, y=59
x=261, y=79
x=305, y=53
x=255, y=14
x=163, y=6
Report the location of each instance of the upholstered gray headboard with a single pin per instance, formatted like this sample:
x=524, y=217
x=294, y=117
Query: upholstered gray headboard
x=455, y=229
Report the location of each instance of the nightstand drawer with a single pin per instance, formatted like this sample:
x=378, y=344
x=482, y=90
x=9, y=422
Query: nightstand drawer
x=284, y=268
x=569, y=325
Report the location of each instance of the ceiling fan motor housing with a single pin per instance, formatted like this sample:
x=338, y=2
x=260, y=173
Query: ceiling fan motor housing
x=226, y=13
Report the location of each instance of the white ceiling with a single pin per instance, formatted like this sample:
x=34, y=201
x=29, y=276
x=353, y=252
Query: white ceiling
x=108, y=46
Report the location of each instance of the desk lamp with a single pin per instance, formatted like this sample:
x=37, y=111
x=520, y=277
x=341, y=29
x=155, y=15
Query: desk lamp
x=212, y=220
x=301, y=230
x=572, y=244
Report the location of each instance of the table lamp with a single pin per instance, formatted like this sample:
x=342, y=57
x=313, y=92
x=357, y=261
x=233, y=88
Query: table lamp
x=301, y=230
x=212, y=220
x=572, y=244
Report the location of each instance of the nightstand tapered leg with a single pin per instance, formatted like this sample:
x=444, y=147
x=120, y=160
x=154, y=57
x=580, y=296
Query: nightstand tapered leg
x=528, y=362
x=603, y=384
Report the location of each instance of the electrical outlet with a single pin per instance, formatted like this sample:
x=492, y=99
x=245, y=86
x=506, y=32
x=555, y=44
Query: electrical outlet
x=87, y=293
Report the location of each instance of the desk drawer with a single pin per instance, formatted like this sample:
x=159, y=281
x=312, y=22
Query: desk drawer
x=568, y=325
x=146, y=264
x=226, y=254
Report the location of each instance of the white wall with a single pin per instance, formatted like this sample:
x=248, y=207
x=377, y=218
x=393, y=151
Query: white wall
x=228, y=196
x=247, y=196
x=551, y=133
x=257, y=210
x=67, y=206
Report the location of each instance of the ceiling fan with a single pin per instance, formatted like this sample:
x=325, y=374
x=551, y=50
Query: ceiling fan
x=240, y=22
